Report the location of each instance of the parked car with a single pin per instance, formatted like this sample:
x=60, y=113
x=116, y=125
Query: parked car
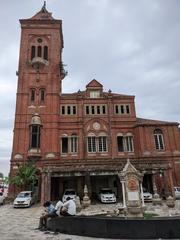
x=69, y=193
x=177, y=192
x=106, y=195
x=147, y=196
x=24, y=199
x=2, y=198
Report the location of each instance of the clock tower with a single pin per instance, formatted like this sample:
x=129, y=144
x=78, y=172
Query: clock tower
x=40, y=74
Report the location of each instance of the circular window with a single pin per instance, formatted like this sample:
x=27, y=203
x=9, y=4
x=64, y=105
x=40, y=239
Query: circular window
x=39, y=40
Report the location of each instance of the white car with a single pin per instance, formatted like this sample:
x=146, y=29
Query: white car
x=147, y=196
x=177, y=192
x=69, y=193
x=24, y=199
x=106, y=195
x=2, y=199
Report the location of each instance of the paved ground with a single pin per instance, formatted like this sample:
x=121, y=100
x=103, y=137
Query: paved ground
x=20, y=224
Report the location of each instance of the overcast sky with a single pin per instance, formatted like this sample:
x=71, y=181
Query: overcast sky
x=131, y=47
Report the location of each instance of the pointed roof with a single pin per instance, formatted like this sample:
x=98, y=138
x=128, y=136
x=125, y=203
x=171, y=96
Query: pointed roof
x=94, y=84
x=43, y=14
x=129, y=167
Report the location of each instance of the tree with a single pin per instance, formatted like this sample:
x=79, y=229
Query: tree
x=1, y=175
x=6, y=180
x=25, y=176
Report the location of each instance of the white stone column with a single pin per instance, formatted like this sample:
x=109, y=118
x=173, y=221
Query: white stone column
x=123, y=192
x=142, y=197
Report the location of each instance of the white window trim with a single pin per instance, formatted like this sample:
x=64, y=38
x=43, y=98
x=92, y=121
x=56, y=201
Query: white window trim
x=119, y=109
x=128, y=140
x=66, y=109
x=158, y=136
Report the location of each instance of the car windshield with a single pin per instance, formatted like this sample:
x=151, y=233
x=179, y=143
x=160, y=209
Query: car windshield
x=177, y=189
x=23, y=195
x=70, y=192
x=106, y=191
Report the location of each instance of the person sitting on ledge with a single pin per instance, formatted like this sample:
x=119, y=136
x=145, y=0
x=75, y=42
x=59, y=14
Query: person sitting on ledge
x=50, y=212
x=69, y=208
x=58, y=207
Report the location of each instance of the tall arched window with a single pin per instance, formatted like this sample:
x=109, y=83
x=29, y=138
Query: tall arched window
x=32, y=95
x=120, y=142
x=45, y=52
x=42, y=95
x=35, y=136
x=159, y=140
x=102, y=142
x=97, y=143
x=69, y=144
x=35, y=132
x=125, y=142
x=39, y=51
x=91, y=143
x=33, y=52
x=73, y=143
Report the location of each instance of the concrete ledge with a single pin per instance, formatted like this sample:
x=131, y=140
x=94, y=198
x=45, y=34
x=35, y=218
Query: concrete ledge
x=113, y=227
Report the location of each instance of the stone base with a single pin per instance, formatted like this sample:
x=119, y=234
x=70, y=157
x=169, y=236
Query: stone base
x=134, y=212
x=170, y=202
x=78, y=204
x=156, y=200
x=86, y=202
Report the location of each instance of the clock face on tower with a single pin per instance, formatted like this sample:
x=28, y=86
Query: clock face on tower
x=96, y=126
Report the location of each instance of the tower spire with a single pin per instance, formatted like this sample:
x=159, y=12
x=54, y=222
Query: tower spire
x=44, y=10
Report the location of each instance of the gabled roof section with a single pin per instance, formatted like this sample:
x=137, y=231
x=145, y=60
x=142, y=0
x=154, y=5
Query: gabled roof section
x=150, y=122
x=129, y=167
x=43, y=14
x=94, y=84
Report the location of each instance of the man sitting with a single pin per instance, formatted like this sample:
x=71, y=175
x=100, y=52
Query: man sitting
x=58, y=208
x=69, y=208
x=49, y=213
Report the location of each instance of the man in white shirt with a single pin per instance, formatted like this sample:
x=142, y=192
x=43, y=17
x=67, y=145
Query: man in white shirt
x=69, y=208
x=58, y=207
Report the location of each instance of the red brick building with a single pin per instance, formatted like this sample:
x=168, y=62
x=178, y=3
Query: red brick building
x=84, y=137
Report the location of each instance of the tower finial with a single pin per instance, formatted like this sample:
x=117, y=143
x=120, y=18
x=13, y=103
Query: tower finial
x=44, y=7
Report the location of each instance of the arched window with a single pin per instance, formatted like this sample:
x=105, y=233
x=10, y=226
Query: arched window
x=97, y=143
x=73, y=143
x=35, y=132
x=42, y=95
x=91, y=143
x=120, y=143
x=102, y=142
x=35, y=136
x=69, y=144
x=125, y=142
x=45, y=52
x=39, y=51
x=64, y=145
x=159, y=140
x=32, y=95
x=33, y=52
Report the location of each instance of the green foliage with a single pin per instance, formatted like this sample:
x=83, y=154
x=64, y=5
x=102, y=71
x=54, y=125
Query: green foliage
x=25, y=176
x=148, y=216
x=6, y=180
x=1, y=175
